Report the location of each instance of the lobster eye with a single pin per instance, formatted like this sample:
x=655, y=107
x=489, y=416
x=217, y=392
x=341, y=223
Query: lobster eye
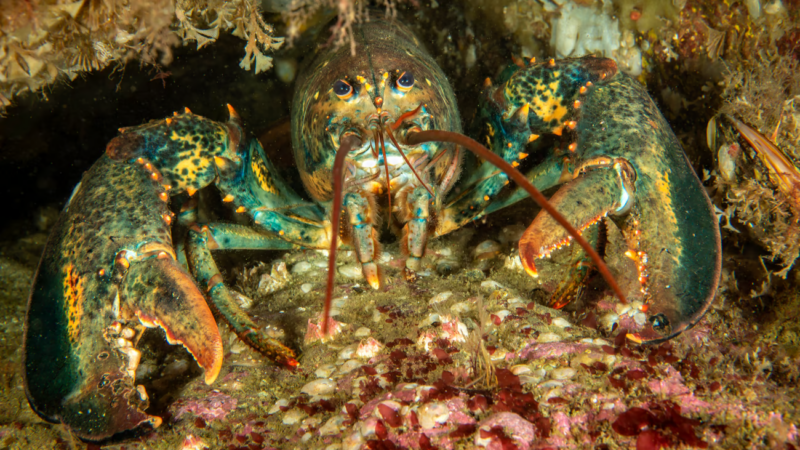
x=342, y=89
x=405, y=82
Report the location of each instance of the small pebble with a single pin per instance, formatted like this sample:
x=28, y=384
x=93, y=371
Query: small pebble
x=502, y=314
x=301, y=267
x=555, y=392
x=548, y=337
x=306, y=287
x=583, y=358
x=325, y=371
x=293, y=416
x=564, y=373
x=640, y=318
x=431, y=414
x=278, y=405
x=352, y=271
x=349, y=366
x=491, y=285
x=348, y=352
x=428, y=321
x=486, y=250
x=440, y=297
x=550, y=384
x=608, y=320
x=363, y=332
x=521, y=369
x=320, y=387
x=274, y=332
x=332, y=426
x=244, y=301
x=499, y=355
x=561, y=322
x=238, y=347
x=461, y=308
x=353, y=441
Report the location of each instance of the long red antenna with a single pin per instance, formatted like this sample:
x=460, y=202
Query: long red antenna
x=349, y=142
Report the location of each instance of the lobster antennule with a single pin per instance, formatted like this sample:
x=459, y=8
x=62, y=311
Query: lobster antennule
x=494, y=159
x=348, y=143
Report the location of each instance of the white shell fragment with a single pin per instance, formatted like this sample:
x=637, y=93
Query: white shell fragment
x=441, y=297
x=320, y=387
x=431, y=414
x=548, y=337
x=564, y=373
x=281, y=403
x=561, y=322
x=349, y=366
x=325, y=371
x=491, y=285
x=301, y=267
x=352, y=271
x=293, y=416
x=332, y=426
x=363, y=332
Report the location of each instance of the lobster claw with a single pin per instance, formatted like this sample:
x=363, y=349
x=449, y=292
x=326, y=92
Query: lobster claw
x=161, y=294
x=93, y=388
x=105, y=275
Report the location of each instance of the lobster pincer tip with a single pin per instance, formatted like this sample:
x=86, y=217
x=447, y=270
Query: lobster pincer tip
x=530, y=268
x=372, y=274
x=233, y=114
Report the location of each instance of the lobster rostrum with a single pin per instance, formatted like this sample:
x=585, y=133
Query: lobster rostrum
x=381, y=122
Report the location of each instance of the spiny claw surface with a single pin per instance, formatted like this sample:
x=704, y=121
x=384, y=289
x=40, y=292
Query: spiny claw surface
x=630, y=168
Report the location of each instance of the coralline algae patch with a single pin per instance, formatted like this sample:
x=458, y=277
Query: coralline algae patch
x=460, y=362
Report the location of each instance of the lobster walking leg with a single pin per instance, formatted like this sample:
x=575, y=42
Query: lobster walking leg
x=198, y=251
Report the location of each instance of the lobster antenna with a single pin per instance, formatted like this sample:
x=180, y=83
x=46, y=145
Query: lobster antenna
x=348, y=143
x=419, y=137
